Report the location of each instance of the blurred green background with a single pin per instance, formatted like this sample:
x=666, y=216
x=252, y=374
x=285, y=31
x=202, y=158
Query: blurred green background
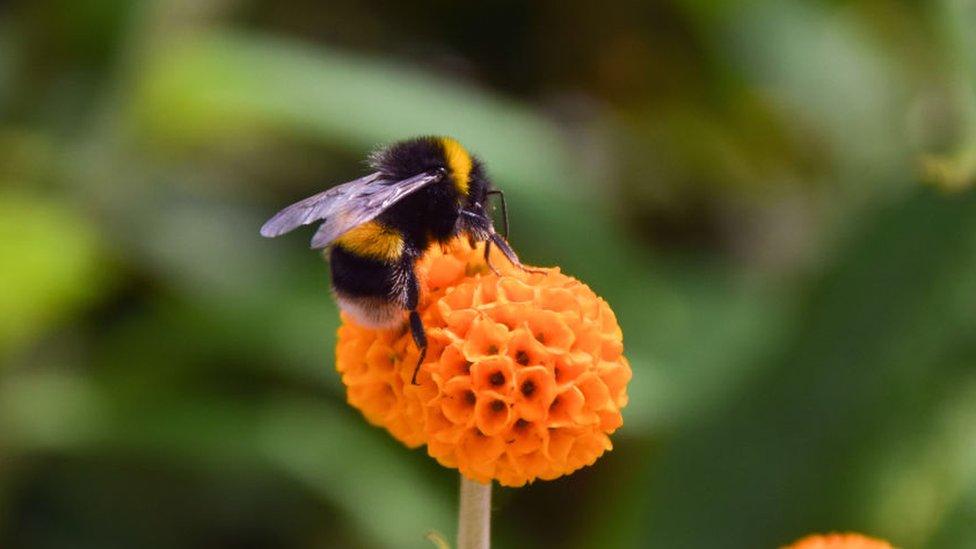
x=775, y=196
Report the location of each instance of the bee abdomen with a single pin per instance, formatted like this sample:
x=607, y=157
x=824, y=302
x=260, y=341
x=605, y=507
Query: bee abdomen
x=373, y=240
x=368, y=289
x=372, y=312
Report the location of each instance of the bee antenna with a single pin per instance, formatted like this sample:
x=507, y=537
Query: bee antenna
x=501, y=196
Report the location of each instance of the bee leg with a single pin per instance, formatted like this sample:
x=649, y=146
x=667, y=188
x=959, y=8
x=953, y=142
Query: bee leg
x=488, y=258
x=510, y=253
x=416, y=325
x=484, y=224
x=420, y=338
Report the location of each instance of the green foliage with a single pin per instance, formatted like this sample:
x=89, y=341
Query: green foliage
x=738, y=182
x=50, y=257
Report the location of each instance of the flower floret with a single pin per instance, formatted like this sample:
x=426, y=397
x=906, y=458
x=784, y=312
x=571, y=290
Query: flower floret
x=524, y=376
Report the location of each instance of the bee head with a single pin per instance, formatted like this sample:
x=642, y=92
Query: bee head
x=411, y=157
x=467, y=174
x=435, y=153
x=458, y=164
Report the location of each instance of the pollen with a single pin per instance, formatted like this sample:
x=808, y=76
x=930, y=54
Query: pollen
x=839, y=541
x=524, y=377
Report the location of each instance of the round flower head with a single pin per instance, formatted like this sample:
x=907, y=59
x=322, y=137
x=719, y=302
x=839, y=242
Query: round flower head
x=524, y=376
x=839, y=541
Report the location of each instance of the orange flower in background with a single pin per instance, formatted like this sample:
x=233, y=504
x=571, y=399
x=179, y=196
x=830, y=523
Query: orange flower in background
x=839, y=541
x=524, y=376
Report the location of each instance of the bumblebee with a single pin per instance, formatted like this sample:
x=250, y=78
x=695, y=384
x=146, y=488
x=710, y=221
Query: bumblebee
x=423, y=192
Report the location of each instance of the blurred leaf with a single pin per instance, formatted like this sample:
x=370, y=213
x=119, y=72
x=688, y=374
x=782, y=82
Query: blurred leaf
x=956, y=530
x=951, y=174
x=50, y=411
x=921, y=479
x=360, y=470
x=388, y=501
x=840, y=93
x=861, y=367
x=219, y=83
x=957, y=18
x=50, y=261
x=816, y=58
x=955, y=170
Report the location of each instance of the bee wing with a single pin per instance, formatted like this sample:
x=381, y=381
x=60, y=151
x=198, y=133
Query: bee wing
x=345, y=206
x=367, y=202
x=311, y=209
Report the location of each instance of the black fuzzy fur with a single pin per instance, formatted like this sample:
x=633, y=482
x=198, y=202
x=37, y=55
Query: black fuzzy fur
x=356, y=276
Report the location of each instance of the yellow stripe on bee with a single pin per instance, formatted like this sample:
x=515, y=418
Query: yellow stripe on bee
x=373, y=240
x=459, y=162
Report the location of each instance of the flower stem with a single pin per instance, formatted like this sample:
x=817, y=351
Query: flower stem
x=474, y=515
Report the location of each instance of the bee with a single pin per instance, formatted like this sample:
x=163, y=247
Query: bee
x=422, y=192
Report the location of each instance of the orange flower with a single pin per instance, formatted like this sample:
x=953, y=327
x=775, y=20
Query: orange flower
x=524, y=377
x=839, y=541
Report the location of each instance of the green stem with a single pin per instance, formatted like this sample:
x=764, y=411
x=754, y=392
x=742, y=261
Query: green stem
x=474, y=515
